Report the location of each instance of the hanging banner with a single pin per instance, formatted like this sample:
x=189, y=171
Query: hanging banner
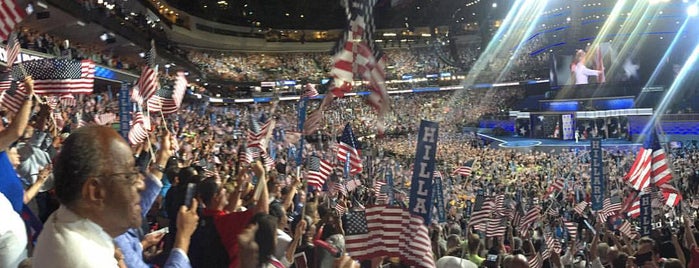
x=438, y=197
x=646, y=217
x=423, y=171
x=124, y=111
x=597, y=174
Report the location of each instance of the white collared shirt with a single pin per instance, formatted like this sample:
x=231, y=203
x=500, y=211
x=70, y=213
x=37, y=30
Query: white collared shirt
x=13, y=235
x=69, y=240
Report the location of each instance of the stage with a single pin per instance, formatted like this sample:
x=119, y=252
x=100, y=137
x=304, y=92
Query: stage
x=526, y=144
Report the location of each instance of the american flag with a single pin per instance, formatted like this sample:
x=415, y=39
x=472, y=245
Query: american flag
x=349, y=145
x=634, y=209
x=340, y=209
x=318, y=171
x=517, y=215
x=339, y=188
x=388, y=231
x=267, y=160
x=13, y=96
x=610, y=207
x=179, y=88
x=59, y=76
x=357, y=54
x=105, y=118
x=650, y=165
x=257, y=134
x=12, y=14
x=162, y=101
x=532, y=215
x=148, y=82
x=580, y=207
x=536, y=261
x=557, y=185
x=553, y=210
x=309, y=91
x=353, y=184
x=627, y=229
x=553, y=244
x=68, y=100
x=13, y=49
x=571, y=228
x=671, y=195
x=140, y=125
x=496, y=227
x=466, y=169
x=481, y=212
x=245, y=156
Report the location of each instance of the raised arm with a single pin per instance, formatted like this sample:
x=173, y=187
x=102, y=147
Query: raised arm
x=19, y=123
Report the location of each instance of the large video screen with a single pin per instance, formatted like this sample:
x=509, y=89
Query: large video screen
x=600, y=65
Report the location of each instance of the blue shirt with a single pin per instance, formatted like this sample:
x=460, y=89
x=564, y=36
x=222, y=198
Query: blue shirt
x=10, y=185
x=130, y=242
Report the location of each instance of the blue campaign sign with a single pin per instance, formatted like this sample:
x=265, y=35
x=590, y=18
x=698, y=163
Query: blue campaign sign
x=421, y=183
x=646, y=217
x=124, y=111
x=438, y=197
x=389, y=182
x=597, y=181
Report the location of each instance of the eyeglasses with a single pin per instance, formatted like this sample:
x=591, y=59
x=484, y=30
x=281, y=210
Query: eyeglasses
x=132, y=177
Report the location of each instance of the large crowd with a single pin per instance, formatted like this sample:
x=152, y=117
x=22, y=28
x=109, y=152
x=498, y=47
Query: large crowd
x=415, y=61
x=83, y=183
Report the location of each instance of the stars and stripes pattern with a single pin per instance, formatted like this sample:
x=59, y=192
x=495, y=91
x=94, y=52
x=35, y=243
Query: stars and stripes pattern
x=627, y=229
x=571, y=228
x=105, y=118
x=536, y=261
x=10, y=15
x=257, y=134
x=650, y=165
x=466, y=169
x=352, y=184
x=350, y=145
x=610, y=207
x=13, y=96
x=388, y=231
x=140, y=125
x=556, y=186
x=318, y=171
x=68, y=100
x=59, y=76
x=580, y=207
x=148, y=81
x=671, y=195
x=340, y=209
x=634, y=210
x=179, y=89
x=532, y=215
x=162, y=101
x=13, y=49
x=309, y=91
x=356, y=53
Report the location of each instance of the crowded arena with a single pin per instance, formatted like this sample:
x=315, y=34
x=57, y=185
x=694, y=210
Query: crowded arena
x=349, y=133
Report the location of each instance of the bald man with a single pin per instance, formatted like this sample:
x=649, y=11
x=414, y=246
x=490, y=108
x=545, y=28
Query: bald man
x=99, y=187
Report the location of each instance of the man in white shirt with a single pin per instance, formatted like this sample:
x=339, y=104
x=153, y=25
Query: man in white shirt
x=98, y=186
x=13, y=235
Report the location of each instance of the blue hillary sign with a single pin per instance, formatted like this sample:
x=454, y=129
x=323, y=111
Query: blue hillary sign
x=596, y=174
x=421, y=184
x=646, y=217
x=124, y=111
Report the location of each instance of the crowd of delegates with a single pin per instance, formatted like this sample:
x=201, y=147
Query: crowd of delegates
x=59, y=47
x=414, y=61
x=100, y=198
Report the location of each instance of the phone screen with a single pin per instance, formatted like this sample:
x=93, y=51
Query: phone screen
x=492, y=257
x=189, y=195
